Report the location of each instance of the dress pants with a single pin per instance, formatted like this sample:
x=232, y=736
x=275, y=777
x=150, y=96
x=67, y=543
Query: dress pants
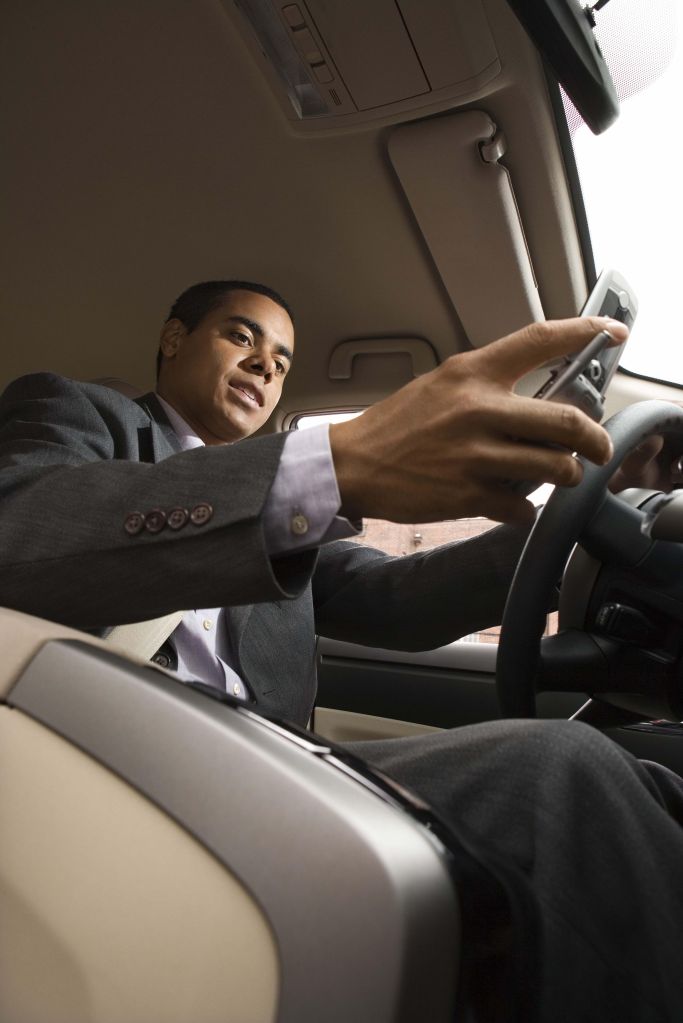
x=597, y=839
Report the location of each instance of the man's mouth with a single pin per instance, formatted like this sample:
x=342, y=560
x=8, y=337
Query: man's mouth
x=252, y=394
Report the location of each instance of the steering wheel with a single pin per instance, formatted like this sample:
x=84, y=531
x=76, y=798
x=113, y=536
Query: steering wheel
x=602, y=654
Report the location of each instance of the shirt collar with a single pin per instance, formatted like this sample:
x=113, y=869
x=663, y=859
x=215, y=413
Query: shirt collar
x=187, y=437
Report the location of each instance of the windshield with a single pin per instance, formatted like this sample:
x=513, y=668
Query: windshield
x=631, y=176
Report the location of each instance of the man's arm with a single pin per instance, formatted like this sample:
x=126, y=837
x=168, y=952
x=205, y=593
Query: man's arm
x=441, y=448
x=438, y=448
x=68, y=488
x=419, y=601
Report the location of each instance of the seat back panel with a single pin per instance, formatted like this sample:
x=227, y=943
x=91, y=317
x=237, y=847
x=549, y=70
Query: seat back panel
x=111, y=911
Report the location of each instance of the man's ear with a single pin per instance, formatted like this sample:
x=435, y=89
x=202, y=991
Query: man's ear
x=173, y=334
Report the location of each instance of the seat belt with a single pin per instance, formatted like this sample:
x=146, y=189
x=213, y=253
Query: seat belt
x=143, y=639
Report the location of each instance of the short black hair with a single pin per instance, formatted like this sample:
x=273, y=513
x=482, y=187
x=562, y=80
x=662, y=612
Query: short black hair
x=196, y=301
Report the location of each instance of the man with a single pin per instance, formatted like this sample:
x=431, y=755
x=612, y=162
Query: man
x=108, y=516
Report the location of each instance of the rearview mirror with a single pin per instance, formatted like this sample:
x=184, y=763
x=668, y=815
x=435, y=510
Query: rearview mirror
x=562, y=31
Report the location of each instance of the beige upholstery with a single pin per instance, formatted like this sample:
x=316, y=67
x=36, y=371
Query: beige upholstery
x=140, y=822
x=348, y=726
x=109, y=911
x=143, y=639
x=171, y=935
x=22, y=636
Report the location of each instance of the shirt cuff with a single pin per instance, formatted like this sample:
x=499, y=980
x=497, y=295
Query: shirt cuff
x=301, y=509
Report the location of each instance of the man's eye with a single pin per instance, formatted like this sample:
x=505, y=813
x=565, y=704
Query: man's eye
x=281, y=368
x=241, y=338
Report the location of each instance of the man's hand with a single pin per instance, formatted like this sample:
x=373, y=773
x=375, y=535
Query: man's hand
x=443, y=446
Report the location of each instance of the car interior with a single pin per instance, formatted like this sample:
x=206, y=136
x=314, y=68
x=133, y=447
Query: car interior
x=408, y=174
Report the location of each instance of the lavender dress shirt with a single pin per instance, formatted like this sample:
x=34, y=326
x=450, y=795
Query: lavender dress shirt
x=301, y=512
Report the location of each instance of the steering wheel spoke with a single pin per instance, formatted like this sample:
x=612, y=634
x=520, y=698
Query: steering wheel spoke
x=614, y=533
x=573, y=661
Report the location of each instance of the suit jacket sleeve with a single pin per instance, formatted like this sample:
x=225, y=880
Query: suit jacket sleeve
x=70, y=476
x=420, y=601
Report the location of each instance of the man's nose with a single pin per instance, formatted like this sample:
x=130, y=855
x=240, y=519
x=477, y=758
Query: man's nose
x=262, y=364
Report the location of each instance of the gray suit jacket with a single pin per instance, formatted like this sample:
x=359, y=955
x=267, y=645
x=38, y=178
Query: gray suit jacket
x=78, y=460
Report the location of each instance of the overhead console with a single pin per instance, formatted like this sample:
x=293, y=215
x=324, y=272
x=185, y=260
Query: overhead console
x=337, y=63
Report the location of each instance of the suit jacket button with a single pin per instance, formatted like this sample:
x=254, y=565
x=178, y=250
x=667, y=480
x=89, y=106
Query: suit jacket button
x=162, y=660
x=177, y=518
x=134, y=523
x=201, y=514
x=155, y=520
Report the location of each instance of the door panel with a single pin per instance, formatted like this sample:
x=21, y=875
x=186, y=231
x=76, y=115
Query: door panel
x=367, y=693
x=453, y=685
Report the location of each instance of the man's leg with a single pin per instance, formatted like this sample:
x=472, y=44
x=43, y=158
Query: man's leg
x=598, y=834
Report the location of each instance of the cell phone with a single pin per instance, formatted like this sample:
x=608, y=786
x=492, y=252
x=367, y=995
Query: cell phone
x=582, y=379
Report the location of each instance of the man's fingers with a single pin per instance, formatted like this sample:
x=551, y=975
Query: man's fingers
x=531, y=463
x=550, y=422
x=511, y=357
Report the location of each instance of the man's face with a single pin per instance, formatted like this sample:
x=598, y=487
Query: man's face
x=225, y=377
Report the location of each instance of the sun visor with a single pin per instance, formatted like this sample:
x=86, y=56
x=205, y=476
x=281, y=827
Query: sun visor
x=462, y=199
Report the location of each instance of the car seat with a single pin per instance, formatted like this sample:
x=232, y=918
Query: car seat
x=166, y=856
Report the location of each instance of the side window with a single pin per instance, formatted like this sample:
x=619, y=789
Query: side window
x=400, y=538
